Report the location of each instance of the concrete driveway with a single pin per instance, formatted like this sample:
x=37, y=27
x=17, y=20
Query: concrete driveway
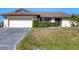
x=9, y=37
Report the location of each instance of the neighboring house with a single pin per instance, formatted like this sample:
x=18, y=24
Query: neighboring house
x=24, y=18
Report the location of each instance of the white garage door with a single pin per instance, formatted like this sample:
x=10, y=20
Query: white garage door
x=20, y=23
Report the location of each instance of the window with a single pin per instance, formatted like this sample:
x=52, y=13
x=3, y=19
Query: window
x=47, y=19
x=57, y=19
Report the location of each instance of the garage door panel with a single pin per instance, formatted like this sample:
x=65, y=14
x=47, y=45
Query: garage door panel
x=20, y=23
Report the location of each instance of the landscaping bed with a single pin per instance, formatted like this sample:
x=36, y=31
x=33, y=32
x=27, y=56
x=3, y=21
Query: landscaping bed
x=38, y=24
x=50, y=39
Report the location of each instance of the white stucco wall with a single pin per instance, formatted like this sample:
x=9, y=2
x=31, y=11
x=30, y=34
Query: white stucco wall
x=23, y=21
x=5, y=23
x=20, y=23
x=65, y=23
x=53, y=20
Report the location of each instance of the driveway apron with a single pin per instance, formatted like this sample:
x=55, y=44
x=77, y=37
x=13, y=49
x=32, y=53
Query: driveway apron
x=9, y=37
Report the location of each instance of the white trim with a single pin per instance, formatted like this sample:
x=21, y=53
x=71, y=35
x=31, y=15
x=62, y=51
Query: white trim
x=5, y=23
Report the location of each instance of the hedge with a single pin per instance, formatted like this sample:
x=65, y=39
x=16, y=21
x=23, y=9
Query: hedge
x=37, y=23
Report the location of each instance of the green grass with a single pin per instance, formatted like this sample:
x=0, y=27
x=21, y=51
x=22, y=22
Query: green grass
x=51, y=39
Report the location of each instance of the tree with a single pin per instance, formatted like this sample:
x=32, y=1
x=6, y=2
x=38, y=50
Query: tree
x=1, y=24
x=74, y=19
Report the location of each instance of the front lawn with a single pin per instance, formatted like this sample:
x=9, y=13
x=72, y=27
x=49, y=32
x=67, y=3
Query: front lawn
x=51, y=39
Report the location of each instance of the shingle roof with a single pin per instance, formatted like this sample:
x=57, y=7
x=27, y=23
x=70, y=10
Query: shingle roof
x=42, y=14
x=53, y=14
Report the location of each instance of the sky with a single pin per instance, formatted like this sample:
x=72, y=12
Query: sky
x=65, y=10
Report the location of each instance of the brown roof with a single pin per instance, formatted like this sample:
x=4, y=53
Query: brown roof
x=53, y=14
x=21, y=10
x=42, y=14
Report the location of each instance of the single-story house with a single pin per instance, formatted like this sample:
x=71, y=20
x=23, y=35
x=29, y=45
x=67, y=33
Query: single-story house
x=24, y=18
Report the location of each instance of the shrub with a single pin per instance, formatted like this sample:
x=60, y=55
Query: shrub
x=54, y=24
x=43, y=24
x=72, y=24
x=37, y=23
x=1, y=24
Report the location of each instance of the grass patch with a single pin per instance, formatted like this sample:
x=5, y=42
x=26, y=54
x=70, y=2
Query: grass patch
x=51, y=39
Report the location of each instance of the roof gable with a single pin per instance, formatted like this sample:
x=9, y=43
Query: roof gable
x=21, y=10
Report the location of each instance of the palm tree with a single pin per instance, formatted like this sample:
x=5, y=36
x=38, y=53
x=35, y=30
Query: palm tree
x=74, y=19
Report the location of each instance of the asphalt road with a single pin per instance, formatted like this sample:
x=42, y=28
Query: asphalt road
x=9, y=37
